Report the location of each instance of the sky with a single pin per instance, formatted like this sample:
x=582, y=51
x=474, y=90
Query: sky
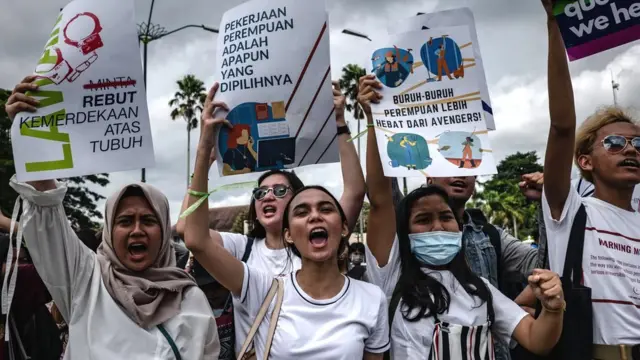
x=512, y=37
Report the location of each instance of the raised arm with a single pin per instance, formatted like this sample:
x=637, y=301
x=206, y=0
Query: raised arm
x=382, y=218
x=559, y=155
x=64, y=263
x=223, y=266
x=182, y=222
x=352, y=176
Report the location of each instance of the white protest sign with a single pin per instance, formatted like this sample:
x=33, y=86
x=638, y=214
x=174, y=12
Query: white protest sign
x=447, y=18
x=274, y=71
x=92, y=117
x=429, y=121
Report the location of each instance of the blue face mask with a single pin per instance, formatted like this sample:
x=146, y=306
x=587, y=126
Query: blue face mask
x=436, y=248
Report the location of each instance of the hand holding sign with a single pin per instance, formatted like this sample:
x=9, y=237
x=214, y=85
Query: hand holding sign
x=367, y=92
x=209, y=123
x=19, y=101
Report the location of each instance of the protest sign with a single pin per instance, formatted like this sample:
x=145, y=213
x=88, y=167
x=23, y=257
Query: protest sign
x=447, y=18
x=274, y=72
x=92, y=116
x=592, y=26
x=429, y=121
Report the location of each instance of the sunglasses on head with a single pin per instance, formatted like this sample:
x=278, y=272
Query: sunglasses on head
x=279, y=191
x=617, y=143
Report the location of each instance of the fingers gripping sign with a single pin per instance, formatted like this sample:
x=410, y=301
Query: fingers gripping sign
x=211, y=119
x=368, y=92
x=547, y=287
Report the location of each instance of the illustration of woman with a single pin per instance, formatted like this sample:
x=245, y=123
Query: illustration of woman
x=410, y=159
x=240, y=157
x=442, y=60
x=393, y=73
x=467, y=152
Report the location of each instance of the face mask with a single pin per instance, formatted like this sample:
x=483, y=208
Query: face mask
x=357, y=259
x=436, y=248
x=217, y=312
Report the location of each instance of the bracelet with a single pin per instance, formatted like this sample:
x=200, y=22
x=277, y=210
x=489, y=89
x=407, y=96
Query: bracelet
x=562, y=309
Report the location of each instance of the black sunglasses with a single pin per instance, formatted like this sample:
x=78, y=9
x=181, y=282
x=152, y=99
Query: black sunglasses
x=279, y=191
x=617, y=143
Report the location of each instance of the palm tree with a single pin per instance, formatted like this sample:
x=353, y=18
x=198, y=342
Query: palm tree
x=349, y=82
x=351, y=75
x=188, y=101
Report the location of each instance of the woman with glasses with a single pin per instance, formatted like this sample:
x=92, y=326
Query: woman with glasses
x=323, y=314
x=263, y=249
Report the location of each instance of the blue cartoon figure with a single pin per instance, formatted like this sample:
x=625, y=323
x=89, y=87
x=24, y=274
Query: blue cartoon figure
x=259, y=140
x=392, y=66
x=408, y=150
x=461, y=148
x=442, y=57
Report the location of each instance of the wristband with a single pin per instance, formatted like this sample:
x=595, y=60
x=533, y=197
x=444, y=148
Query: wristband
x=343, y=130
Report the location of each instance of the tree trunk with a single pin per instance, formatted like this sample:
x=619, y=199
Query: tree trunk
x=188, y=153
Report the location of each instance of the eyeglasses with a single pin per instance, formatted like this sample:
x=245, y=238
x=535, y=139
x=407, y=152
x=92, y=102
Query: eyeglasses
x=617, y=143
x=279, y=191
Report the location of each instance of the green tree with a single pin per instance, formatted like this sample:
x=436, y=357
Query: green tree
x=187, y=102
x=80, y=203
x=238, y=222
x=366, y=207
x=501, y=199
x=349, y=81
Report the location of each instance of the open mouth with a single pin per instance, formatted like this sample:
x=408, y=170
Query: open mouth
x=630, y=163
x=458, y=184
x=318, y=237
x=269, y=210
x=137, y=251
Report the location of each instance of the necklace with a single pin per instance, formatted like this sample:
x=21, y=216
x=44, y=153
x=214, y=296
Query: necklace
x=242, y=154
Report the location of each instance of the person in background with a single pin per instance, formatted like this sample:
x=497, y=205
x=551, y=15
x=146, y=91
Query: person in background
x=33, y=329
x=607, y=153
x=263, y=247
x=5, y=222
x=356, y=256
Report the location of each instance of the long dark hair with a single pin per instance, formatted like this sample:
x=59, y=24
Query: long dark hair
x=344, y=241
x=256, y=230
x=418, y=288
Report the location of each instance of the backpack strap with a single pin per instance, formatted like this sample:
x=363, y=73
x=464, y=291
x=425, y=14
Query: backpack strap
x=247, y=249
x=477, y=216
x=393, y=306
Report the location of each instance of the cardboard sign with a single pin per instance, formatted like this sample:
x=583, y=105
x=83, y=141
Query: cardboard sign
x=274, y=71
x=92, y=117
x=592, y=26
x=448, y=18
x=430, y=121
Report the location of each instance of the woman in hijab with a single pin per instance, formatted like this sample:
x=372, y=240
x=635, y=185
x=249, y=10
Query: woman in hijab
x=128, y=301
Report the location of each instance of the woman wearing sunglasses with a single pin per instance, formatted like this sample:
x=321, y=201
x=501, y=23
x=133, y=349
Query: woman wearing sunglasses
x=607, y=153
x=264, y=249
x=323, y=314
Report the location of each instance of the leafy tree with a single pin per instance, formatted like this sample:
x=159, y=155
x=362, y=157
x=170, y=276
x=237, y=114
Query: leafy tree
x=187, y=102
x=80, y=203
x=366, y=207
x=238, y=222
x=351, y=75
x=501, y=199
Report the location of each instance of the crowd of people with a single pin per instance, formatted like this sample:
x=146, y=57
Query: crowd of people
x=435, y=280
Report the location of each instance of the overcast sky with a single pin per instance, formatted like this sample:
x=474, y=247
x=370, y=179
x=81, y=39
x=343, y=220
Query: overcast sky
x=512, y=36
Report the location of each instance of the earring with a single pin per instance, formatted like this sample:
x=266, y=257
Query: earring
x=344, y=235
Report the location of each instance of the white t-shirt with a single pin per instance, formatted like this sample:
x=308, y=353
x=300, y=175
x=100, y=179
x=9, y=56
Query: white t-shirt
x=586, y=189
x=412, y=340
x=343, y=327
x=273, y=262
x=611, y=264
